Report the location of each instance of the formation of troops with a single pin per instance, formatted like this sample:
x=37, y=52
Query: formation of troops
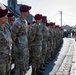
x=24, y=43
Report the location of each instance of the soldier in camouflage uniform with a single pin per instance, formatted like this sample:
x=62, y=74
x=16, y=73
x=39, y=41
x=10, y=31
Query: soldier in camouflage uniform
x=48, y=44
x=9, y=26
x=5, y=44
x=20, y=39
x=30, y=53
x=36, y=44
x=44, y=42
x=53, y=40
x=50, y=40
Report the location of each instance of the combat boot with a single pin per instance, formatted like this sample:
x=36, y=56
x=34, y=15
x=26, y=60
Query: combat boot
x=38, y=71
x=42, y=67
x=33, y=72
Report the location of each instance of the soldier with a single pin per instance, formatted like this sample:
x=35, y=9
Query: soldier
x=9, y=23
x=36, y=44
x=10, y=20
x=48, y=44
x=5, y=43
x=53, y=40
x=44, y=42
x=19, y=36
x=9, y=26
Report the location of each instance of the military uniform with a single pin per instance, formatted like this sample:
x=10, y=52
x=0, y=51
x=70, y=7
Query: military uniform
x=44, y=43
x=36, y=44
x=5, y=44
x=5, y=52
x=9, y=26
x=20, y=39
x=19, y=35
x=48, y=44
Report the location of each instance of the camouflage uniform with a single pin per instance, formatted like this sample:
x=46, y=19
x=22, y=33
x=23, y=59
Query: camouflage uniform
x=5, y=50
x=51, y=34
x=9, y=26
x=54, y=42
x=19, y=36
x=36, y=45
x=29, y=48
x=44, y=42
x=48, y=46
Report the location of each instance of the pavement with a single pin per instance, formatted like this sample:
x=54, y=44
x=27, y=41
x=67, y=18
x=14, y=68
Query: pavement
x=65, y=61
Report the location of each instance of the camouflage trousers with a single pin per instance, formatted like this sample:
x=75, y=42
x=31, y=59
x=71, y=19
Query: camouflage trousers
x=3, y=69
x=44, y=51
x=22, y=62
x=49, y=50
x=36, y=56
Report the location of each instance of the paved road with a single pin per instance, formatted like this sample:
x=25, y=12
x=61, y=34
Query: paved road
x=64, y=61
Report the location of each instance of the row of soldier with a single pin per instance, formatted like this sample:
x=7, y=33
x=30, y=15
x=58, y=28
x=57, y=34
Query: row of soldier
x=24, y=43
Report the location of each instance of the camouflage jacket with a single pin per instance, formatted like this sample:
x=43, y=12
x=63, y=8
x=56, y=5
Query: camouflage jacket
x=5, y=44
x=20, y=33
x=9, y=26
x=44, y=32
x=35, y=34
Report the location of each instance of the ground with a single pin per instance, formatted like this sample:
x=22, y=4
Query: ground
x=65, y=61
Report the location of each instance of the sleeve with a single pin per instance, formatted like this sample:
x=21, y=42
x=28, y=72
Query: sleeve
x=32, y=33
x=3, y=41
x=15, y=30
x=45, y=32
x=50, y=35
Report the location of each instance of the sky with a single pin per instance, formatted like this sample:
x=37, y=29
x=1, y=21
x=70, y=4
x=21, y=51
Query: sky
x=52, y=9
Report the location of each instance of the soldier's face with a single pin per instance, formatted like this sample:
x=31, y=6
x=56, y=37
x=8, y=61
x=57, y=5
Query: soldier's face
x=11, y=19
x=39, y=21
x=26, y=13
x=44, y=21
x=4, y=19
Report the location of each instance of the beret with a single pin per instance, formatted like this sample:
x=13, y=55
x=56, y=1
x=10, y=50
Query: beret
x=28, y=23
x=38, y=16
x=3, y=12
x=44, y=17
x=33, y=22
x=47, y=24
x=56, y=26
x=10, y=14
x=25, y=8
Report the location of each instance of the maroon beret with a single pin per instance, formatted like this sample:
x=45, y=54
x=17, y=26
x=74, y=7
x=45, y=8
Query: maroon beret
x=25, y=8
x=47, y=24
x=51, y=24
x=10, y=14
x=28, y=23
x=57, y=26
x=38, y=16
x=61, y=28
x=3, y=12
x=33, y=22
x=44, y=17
